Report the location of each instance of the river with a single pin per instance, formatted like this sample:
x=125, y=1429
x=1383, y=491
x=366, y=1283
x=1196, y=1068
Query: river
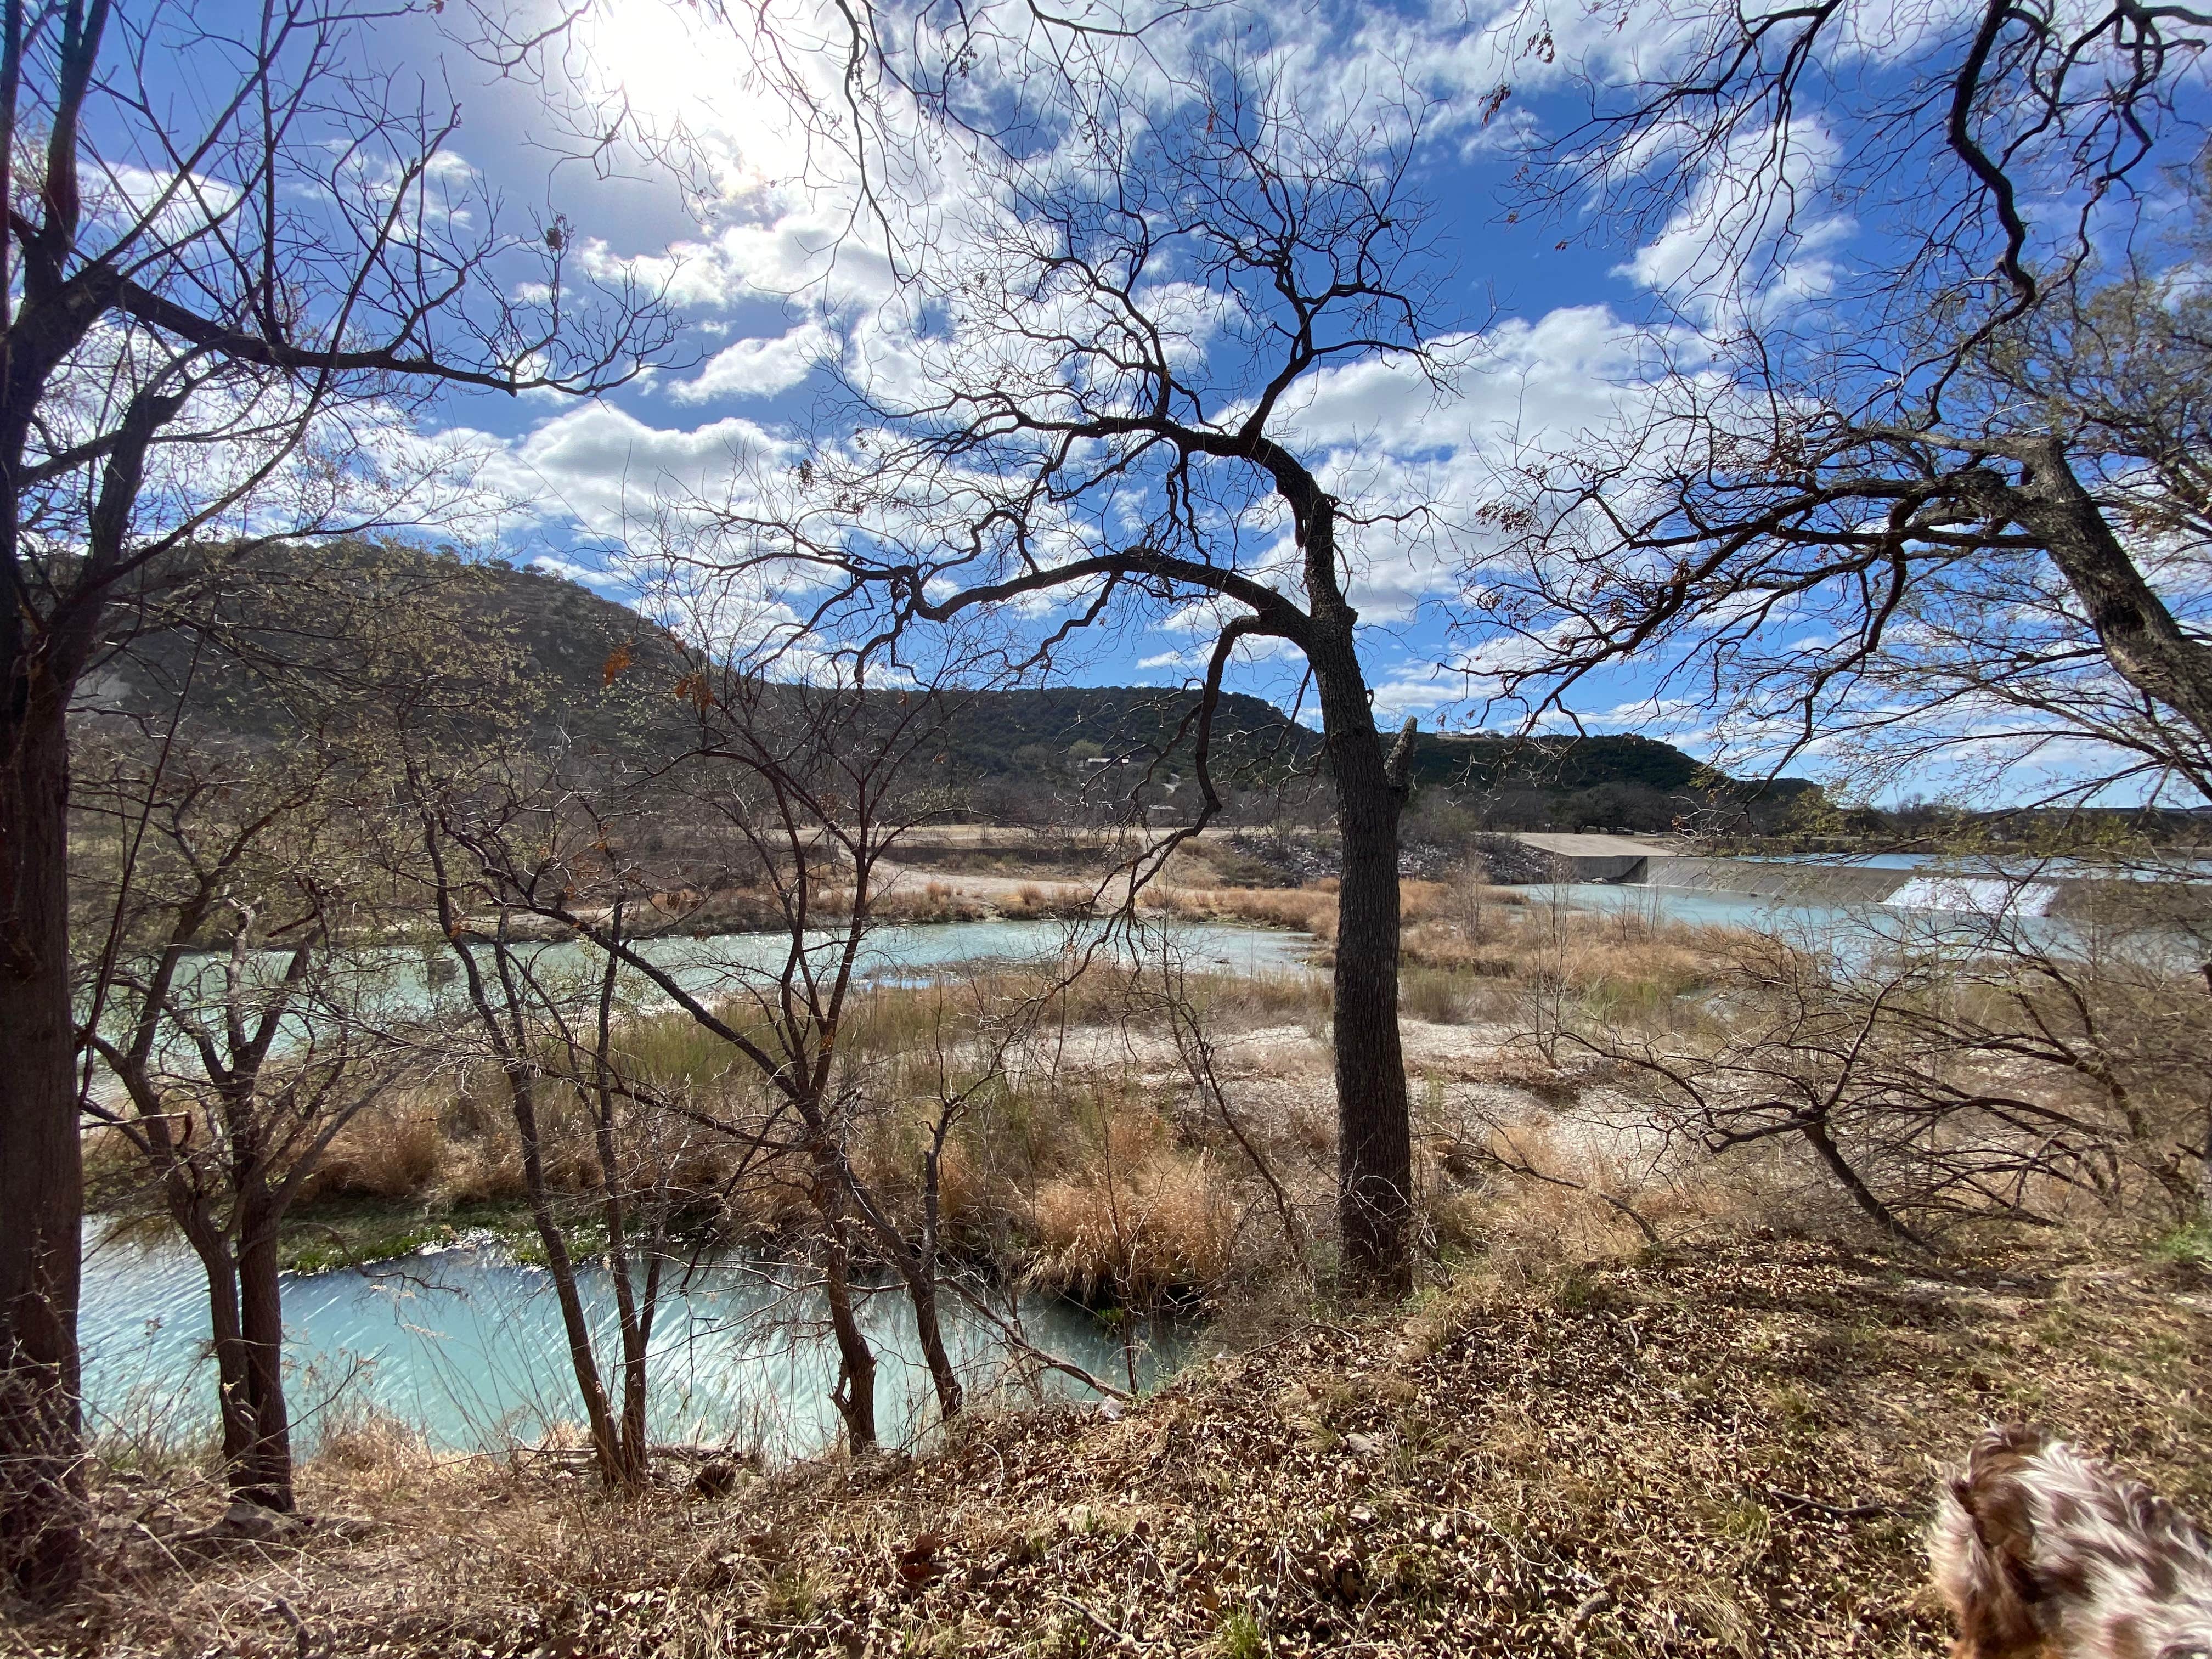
x=465, y=1345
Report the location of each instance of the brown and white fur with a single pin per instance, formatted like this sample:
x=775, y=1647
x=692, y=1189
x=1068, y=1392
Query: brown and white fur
x=2040, y=1549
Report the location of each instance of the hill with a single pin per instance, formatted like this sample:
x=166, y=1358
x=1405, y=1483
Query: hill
x=264, y=635
x=543, y=652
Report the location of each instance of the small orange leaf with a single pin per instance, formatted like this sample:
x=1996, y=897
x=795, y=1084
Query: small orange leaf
x=617, y=660
x=696, y=690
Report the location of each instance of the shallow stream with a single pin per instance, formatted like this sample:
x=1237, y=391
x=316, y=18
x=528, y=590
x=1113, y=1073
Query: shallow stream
x=466, y=1345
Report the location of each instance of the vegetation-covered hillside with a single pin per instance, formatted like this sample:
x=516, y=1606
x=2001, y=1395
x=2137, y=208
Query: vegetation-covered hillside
x=538, y=650
x=553, y=656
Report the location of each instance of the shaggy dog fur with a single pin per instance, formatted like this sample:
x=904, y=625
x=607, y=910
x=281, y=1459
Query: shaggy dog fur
x=2039, y=1549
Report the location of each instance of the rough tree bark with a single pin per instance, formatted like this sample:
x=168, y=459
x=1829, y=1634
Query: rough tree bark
x=41, y=1164
x=266, y=1465
x=1375, y=1152
x=855, y=1395
x=2136, y=631
x=41, y=1160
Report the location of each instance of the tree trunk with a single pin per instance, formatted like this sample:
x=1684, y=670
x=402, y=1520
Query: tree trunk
x=634, y=1451
x=637, y=1448
x=855, y=1395
x=41, y=1162
x=1374, y=1150
x=561, y=1268
x=921, y=1290
x=917, y=1265
x=268, y=1466
x=1816, y=1133
x=233, y=1392
x=522, y=1101
x=2139, y=635
x=2204, y=1172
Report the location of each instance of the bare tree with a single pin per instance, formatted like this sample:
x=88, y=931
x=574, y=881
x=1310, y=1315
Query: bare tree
x=1098, y=421
x=198, y=293
x=1977, y=1072
x=528, y=1023
x=1962, y=484
x=235, y=1035
x=801, y=792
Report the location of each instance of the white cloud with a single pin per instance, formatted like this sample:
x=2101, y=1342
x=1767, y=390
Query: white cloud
x=1742, y=245
x=604, y=469
x=758, y=368
x=167, y=207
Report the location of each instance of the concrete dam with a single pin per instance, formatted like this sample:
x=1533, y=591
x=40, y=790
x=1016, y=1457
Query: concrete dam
x=1628, y=861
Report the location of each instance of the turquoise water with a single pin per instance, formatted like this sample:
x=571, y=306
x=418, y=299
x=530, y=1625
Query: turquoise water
x=468, y=1346
x=1700, y=908
x=1861, y=929
x=416, y=979
x=703, y=964
x=2150, y=867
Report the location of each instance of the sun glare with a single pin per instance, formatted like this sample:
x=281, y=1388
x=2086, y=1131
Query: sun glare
x=682, y=69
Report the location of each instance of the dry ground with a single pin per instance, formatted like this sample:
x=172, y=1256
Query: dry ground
x=1726, y=1450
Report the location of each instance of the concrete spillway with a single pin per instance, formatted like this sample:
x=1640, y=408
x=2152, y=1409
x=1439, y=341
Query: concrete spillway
x=1628, y=861
x=1799, y=884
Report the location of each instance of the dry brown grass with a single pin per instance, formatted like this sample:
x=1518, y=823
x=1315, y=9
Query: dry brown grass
x=1736, y=1445
x=1025, y=1180
x=1032, y=903
x=1307, y=909
x=395, y=1151
x=932, y=902
x=1590, y=953
x=1136, y=1216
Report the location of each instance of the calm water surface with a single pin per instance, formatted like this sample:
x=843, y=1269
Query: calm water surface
x=467, y=1345
x=1860, y=930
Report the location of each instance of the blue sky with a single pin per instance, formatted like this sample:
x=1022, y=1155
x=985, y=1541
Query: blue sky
x=1539, y=315
x=1552, y=319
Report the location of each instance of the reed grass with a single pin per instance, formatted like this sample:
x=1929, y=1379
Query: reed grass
x=1055, y=1169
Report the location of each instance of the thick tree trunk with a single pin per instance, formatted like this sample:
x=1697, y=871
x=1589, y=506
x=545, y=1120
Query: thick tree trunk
x=268, y=1464
x=2138, y=634
x=1375, y=1154
x=233, y=1392
x=42, y=1162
